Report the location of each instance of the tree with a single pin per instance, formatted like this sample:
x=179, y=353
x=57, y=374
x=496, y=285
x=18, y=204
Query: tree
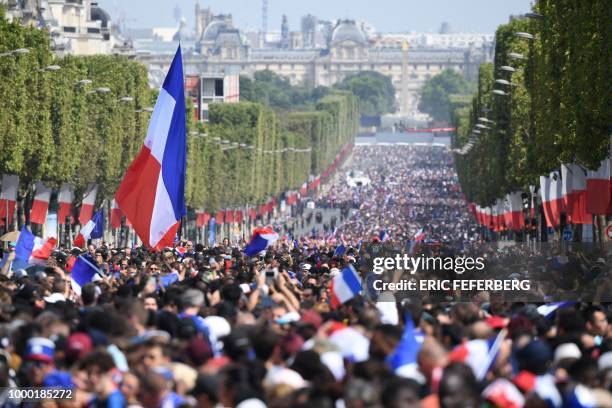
x=375, y=92
x=277, y=92
x=437, y=92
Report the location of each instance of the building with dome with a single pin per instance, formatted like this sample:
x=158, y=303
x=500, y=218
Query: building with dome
x=78, y=27
x=323, y=53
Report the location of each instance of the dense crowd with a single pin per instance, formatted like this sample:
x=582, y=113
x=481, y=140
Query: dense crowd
x=410, y=187
x=203, y=326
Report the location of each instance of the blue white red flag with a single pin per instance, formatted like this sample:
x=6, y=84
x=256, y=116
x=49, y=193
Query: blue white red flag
x=345, y=286
x=549, y=309
x=152, y=193
x=261, y=239
x=403, y=360
x=94, y=229
x=32, y=250
x=83, y=271
x=383, y=236
x=420, y=235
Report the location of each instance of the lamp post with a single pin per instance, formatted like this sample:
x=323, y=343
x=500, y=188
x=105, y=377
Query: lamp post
x=18, y=51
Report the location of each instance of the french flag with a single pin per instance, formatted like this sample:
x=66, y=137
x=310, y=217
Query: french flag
x=84, y=270
x=552, y=198
x=32, y=250
x=543, y=386
x=8, y=197
x=115, y=215
x=598, y=187
x=383, y=236
x=574, y=190
x=345, y=286
x=420, y=235
x=92, y=230
x=152, y=193
x=514, y=215
x=403, y=360
x=549, y=309
x=479, y=354
x=38, y=213
x=304, y=189
x=65, y=198
x=261, y=239
x=87, y=205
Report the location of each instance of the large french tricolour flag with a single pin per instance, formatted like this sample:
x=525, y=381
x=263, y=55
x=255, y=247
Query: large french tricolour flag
x=345, y=286
x=152, y=193
x=598, y=189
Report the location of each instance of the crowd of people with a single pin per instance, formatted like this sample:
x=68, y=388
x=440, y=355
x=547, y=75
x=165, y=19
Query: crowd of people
x=208, y=326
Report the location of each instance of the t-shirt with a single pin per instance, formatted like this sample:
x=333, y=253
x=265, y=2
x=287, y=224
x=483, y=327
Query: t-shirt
x=114, y=400
x=167, y=280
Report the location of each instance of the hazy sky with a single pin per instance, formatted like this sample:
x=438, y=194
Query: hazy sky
x=481, y=16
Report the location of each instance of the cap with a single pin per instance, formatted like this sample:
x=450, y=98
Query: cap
x=40, y=349
x=496, y=322
x=306, y=266
x=78, y=345
x=605, y=361
x=567, y=350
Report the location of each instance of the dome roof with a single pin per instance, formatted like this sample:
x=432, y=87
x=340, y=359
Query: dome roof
x=348, y=30
x=212, y=30
x=100, y=14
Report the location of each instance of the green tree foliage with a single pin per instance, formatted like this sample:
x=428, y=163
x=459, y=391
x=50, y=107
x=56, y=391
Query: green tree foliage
x=55, y=129
x=375, y=91
x=555, y=111
x=437, y=92
x=270, y=89
x=250, y=153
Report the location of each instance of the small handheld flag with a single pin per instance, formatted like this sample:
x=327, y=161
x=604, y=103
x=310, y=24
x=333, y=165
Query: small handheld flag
x=261, y=239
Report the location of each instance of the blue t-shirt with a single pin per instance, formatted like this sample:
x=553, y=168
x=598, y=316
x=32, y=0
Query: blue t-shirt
x=167, y=280
x=114, y=400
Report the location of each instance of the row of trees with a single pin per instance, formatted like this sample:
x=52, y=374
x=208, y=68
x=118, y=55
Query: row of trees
x=86, y=121
x=375, y=92
x=265, y=153
x=68, y=124
x=554, y=107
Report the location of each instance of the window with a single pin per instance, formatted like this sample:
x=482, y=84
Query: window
x=68, y=29
x=218, y=87
x=93, y=30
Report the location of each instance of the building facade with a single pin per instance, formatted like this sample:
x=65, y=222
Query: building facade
x=77, y=27
x=305, y=58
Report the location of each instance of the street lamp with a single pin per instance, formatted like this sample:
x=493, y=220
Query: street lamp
x=147, y=109
x=103, y=90
x=516, y=55
x=126, y=99
x=507, y=68
x=536, y=16
x=476, y=131
x=504, y=82
x=499, y=92
x=50, y=68
x=522, y=34
x=84, y=82
x=18, y=51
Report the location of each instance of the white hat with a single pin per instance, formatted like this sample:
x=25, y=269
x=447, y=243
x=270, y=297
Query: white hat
x=251, y=403
x=55, y=297
x=287, y=376
x=567, y=350
x=306, y=266
x=333, y=272
x=605, y=361
x=217, y=326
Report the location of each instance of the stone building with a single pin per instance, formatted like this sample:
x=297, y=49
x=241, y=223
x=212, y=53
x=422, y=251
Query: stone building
x=302, y=58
